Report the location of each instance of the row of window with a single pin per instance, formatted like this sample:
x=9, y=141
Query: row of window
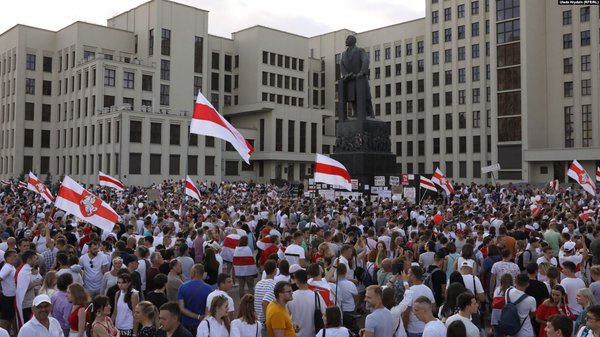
x=30, y=87
x=586, y=64
x=291, y=140
x=586, y=88
x=283, y=61
x=475, y=54
x=8, y=64
x=282, y=99
x=584, y=40
x=462, y=123
x=31, y=63
x=584, y=15
x=460, y=11
x=461, y=32
x=282, y=81
x=586, y=126
x=397, y=51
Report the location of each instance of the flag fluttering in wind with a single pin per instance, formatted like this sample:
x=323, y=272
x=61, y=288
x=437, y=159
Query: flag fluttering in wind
x=75, y=199
x=191, y=189
x=440, y=179
x=207, y=121
x=578, y=173
x=36, y=185
x=427, y=184
x=332, y=172
x=22, y=184
x=108, y=181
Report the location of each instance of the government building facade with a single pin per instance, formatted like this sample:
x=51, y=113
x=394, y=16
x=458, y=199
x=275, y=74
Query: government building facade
x=472, y=84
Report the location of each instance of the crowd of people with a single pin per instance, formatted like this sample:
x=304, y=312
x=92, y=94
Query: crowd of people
x=253, y=260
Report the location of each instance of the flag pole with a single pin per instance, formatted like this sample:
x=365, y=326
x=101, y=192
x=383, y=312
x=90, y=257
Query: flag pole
x=187, y=158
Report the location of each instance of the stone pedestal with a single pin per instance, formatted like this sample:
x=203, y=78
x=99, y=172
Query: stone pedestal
x=364, y=147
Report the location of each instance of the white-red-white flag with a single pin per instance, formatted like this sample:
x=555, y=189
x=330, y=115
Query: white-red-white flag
x=598, y=174
x=22, y=184
x=555, y=185
x=5, y=182
x=73, y=198
x=191, y=189
x=36, y=185
x=440, y=179
x=229, y=244
x=332, y=172
x=427, y=184
x=578, y=173
x=243, y=261
x=108, y=181
x=207, y=121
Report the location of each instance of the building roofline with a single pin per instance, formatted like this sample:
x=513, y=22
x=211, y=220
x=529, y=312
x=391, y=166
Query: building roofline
x=92, y=24
x=392, y=25
x=270, y=28
x=25, y=26
x=334, y=31
x=147, y=2
x=220, y=37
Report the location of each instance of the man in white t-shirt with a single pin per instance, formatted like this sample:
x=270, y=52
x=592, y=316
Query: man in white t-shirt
x=224, y=284
x=526, y=308
x=571, y=283
x=302, y=306
x=423, y=309
x=467, y=306
x=294, y=253
x=472, y=282
x=94, y=266
x=415, y=277
x=9, y=289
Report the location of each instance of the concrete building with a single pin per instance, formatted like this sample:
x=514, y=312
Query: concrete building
x=471, y=84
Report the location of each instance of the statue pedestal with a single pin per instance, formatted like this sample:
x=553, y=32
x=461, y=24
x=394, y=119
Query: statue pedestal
x=364, y=147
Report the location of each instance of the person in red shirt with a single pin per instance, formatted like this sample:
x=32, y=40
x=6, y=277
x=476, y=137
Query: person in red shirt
x=555, y=305
x=272, y=249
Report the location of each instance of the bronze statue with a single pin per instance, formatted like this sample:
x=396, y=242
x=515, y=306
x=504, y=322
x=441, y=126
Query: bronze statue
x=353, y=87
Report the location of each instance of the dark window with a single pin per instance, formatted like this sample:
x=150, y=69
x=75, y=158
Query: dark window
x=165, y=45
x=109, y=77
x=215, y=60
x=302, y=136
x=30, y=86
x=164, y=94
x=436, y=122
x=508, y=31
x=198, y=51
x=155, y=133
x=30, y=62
x=155, y=161
x=291, y=136
x=567, y=17
x=584, y=14
x=29, y=111
x=448, y=145
x=509, y=129
x=278, y=134
x=46, y=112
x=209, y=165
x=585, y=38
x=231, y=168
x=28, y=138
x=174, y=134
x=507, y=9
x=47, y=64
x=567, y=41
x=147, y=82
x=165, y=70
x=436, y=145
x=462, y=144
x=569, y=126
x=509, y=78
x=128, y=80
x=192, y=165
x=313, y=137
x=135, y=131
x=45, y=139
x=174, y=163
x=448, y=121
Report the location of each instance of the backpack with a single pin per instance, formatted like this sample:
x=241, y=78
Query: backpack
x=428, y=278
x=366, y=278
x=520, y=259
x=510, y=322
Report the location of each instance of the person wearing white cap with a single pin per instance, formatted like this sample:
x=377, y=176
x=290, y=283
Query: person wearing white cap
x=41, y=324
x=568, y=253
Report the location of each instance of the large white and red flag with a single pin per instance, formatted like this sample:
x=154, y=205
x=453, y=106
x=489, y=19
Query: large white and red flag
x=108, y=181
x=191, y=189
x=332, y=172
x=73, y=198
x=5, y=182
x=36, y=185
x=207, y=121
x=578, y=173
x=243, y=261
x=228, y=247
x=440, y=179
x=598, y=174
x=427, y=184
x=555, y=185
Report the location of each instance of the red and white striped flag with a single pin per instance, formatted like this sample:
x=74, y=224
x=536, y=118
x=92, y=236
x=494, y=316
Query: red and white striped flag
x=108, y=181
x=229, y=244
x=22, y=184
x=74, y=199
x=578, y=173
x=598, y=174
x=207, y=121
x=191, y=189
x=427, y=184
x=243, y=261
x=36, y=185
x=5, y=182
x=555, y=185
x=264, y=243
x=440, y=179
x=332, y=172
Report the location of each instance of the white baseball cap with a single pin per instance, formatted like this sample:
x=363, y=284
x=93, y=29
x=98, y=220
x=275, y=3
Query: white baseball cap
x=39, y=299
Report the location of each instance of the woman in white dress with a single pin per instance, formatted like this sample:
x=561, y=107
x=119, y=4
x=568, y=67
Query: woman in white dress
x=216, y=324
x=333, y=324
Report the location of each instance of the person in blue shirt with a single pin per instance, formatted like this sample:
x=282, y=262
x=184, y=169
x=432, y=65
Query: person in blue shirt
x=192, y=299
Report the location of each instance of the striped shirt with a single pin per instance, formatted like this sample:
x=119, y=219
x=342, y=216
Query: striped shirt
x=264, y=291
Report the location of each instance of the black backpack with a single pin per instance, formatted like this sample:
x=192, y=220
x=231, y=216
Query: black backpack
x=510, y=322
x=520, y=259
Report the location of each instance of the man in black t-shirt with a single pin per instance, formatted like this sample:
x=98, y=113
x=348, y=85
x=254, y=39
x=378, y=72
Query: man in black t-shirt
x=438, y=278
x=537, y=290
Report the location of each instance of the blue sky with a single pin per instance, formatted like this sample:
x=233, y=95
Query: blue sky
x=305, y=17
